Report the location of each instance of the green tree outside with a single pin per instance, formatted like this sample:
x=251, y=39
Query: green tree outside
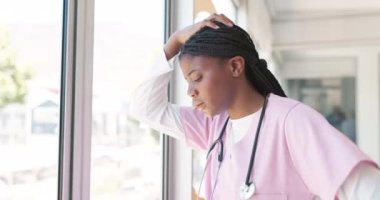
x=13, y=75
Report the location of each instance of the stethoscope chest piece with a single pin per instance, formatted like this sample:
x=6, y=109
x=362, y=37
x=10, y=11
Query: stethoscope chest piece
x=247, y=191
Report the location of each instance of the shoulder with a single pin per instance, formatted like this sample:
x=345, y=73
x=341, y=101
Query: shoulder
x=280, y=107
x=297, y=118
x=198, y=128
x=291, y=109
x=191, y=115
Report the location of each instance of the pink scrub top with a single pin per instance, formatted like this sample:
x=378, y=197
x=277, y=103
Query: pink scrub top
x=299, y=154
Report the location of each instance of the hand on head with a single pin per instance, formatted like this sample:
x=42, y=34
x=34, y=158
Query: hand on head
x=178, y=38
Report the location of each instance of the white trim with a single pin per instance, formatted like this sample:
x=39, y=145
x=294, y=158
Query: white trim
x=367, y=94
x=319, y=68
x=83, y=100
x=333, y=32
x=283, y=16
x=76, y=160
x=180, y=156
x=370, y=42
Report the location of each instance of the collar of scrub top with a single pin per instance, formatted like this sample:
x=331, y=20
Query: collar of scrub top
x=248, y=189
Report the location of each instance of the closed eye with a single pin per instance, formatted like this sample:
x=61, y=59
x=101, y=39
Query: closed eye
x=198, y=79
x=193, y=78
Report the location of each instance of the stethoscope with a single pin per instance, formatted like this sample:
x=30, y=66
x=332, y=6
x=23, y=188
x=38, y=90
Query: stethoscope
x=247, y=190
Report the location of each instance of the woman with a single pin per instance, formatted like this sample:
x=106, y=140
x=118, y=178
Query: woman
x=261, y=144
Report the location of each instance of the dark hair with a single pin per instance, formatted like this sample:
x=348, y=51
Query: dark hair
x=227, y=42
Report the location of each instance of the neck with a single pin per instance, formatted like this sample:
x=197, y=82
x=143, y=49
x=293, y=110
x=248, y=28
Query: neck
x=246, y=102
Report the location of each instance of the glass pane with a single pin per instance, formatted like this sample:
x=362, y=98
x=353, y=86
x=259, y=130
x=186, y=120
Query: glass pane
x=334, y=98
x=126, y=155
x=30, y=60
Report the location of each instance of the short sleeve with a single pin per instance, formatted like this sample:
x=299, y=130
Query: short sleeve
x=198, y=128
x=323, y=156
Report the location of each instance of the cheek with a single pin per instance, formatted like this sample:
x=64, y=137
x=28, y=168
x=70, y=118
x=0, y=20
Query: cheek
x=218, y=93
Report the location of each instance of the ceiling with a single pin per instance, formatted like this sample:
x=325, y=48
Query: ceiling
x=300, y=9
x=312, y=28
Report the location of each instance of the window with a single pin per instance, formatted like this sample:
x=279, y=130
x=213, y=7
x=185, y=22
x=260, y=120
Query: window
x=332, y=97
x=30, y=71
x=126, y=155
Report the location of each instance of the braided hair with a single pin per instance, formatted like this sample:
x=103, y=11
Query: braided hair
x=227, y=42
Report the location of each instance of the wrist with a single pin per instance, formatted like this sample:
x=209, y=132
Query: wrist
x=172, y=46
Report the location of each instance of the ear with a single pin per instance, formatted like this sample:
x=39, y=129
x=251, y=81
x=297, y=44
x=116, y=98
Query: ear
x=237, y=66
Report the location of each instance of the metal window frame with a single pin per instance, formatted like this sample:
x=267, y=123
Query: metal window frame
x=165, y=140
x=76, y=100
x=180, y=156
x=76, y=106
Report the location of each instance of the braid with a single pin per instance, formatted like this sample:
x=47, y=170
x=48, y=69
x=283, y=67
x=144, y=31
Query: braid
x=263, y=79
x=227, y=42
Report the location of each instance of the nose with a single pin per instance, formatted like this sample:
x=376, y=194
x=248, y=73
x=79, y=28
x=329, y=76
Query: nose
x=191, y=91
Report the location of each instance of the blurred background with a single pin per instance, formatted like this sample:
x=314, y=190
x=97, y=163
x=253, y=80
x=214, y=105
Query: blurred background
x=325, y=53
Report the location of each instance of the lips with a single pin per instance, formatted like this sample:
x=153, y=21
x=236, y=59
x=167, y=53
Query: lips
x=198, y=105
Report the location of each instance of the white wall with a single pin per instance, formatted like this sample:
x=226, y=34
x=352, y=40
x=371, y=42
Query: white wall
x=259, y=26
x=368, y=115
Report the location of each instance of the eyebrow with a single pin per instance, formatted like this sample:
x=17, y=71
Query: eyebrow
x=191, y=72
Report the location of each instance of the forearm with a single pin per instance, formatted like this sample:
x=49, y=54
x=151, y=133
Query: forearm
x=150, y=101
x=172, y=47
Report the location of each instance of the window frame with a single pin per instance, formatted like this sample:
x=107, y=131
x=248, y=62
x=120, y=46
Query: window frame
x=76, y=100
x=76, y=103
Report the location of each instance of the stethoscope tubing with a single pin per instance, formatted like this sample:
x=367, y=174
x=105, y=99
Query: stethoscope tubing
x=254, y=148
x=219, y=140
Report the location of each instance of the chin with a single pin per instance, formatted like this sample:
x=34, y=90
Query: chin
x=207, y=113
x=210, y=113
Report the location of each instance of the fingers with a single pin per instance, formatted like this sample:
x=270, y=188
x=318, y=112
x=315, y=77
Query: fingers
x=181, y=36
x=227, y=20
x=220, y=18
x=209, y=23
